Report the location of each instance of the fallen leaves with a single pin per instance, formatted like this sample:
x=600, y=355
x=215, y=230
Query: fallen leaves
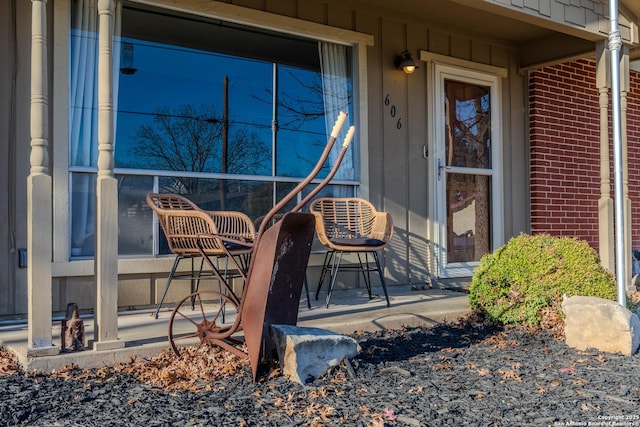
x=8, y=363
x=508, y=374
x=568, y=370
x=442, y=367
x=483, y=372
x=497, y=340
x=389, y=414
x=191, y=371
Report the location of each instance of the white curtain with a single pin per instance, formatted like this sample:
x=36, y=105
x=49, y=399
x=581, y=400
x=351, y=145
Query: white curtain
x=83, y=116
x=336, y=97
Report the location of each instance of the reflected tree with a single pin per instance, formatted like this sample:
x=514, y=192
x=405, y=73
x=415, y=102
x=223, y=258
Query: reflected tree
x=189, y=138
x=302, y=104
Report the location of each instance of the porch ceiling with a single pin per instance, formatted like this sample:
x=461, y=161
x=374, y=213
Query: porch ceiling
x=540, y=41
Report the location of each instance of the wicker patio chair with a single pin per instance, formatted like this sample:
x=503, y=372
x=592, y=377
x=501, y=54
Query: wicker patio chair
x=351, y=225
x=222, y=234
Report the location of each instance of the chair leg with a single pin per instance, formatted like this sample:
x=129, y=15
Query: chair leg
x=226, y=279
x=195, y=281
x=243, y=262
x=306, y=288
x=166, y=287
x=335, y=267
x=384, y=286
x=325, y=266
x=364, y=268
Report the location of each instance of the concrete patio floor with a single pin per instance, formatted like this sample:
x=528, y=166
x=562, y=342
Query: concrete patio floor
x=349, y=311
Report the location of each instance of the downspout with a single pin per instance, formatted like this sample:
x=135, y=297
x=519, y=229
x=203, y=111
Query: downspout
x=615, y=44
x=11, y=154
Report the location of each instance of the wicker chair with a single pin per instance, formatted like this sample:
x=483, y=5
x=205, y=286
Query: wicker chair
x=222, y=234
x=351, y=225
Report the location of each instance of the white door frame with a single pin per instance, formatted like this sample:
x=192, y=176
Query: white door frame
x=442, y=68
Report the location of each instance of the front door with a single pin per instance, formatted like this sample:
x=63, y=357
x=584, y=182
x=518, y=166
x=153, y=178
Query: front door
x=467, y=168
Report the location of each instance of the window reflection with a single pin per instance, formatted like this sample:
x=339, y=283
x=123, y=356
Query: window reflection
x=467, y=125
x=228, y=115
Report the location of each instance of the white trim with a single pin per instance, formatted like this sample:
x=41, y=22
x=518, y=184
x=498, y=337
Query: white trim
x=159, y=265
x=430, y=57
x=485, y=75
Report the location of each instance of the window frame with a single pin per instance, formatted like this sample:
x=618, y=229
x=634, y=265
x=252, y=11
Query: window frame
x=359, y=42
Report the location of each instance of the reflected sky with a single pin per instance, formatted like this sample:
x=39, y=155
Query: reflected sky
x=168, y=78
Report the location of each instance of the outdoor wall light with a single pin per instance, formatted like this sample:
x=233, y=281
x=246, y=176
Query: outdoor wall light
x=405, y=62
x=127, y=59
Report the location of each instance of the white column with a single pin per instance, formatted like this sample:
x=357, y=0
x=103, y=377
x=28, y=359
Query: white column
x=39, y=198
x=106, y=223
x=605, y=203
x=624, y=89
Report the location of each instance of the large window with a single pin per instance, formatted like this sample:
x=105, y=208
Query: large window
x=228, y=115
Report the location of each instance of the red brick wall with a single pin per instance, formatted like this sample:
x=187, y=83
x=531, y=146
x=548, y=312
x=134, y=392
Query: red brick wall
x=565, y=152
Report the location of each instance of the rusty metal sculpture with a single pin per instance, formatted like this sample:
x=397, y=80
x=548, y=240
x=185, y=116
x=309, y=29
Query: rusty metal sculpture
x=272, y=284
x=72, y=330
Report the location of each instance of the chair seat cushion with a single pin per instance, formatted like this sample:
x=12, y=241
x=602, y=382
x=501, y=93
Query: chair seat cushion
x=232, y=246
x=356, y=241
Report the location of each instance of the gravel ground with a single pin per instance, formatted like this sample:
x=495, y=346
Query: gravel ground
x=458, y=374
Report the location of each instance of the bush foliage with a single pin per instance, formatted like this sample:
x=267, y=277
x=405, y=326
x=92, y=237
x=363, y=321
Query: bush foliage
x=526, y=278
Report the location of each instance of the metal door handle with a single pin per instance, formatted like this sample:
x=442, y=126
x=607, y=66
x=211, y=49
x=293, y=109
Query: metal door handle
x=440, y=167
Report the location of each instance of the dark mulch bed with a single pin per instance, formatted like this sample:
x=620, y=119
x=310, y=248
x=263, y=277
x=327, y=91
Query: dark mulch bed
x=458, y=374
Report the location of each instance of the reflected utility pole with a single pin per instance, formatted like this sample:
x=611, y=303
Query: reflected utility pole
x=225, y=139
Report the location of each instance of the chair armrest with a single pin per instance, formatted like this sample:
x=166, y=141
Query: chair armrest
x=320, y=230
x=382, y=228
x=234, y=225
x=183, y=228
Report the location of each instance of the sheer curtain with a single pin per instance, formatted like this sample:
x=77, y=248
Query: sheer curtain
x=336, y=91
x=83, y=117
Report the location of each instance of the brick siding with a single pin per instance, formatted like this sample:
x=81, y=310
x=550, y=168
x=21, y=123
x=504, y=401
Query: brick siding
x=565, y=151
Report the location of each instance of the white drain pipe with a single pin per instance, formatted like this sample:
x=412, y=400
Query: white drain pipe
x=615, y=46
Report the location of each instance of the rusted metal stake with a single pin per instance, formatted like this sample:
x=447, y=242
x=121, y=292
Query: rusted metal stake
x=72, y=330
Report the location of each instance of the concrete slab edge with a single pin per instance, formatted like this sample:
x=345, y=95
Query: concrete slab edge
x=391, y=321
x=87, y=358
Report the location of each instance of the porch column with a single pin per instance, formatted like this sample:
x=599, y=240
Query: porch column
x=624, y=89
x=106, y=222
x=606, y=219
x=39, y=198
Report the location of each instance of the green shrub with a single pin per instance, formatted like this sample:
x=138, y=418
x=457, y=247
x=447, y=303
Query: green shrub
x=525, y=279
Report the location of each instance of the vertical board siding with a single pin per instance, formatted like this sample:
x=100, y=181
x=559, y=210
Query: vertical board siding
x=515, y=152
x=282, y=7
x=394, y=146
x=313, y=11
x=340, y=17
x=417, y=121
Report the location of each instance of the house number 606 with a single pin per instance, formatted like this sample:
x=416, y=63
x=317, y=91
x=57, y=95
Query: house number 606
x=392, y=111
